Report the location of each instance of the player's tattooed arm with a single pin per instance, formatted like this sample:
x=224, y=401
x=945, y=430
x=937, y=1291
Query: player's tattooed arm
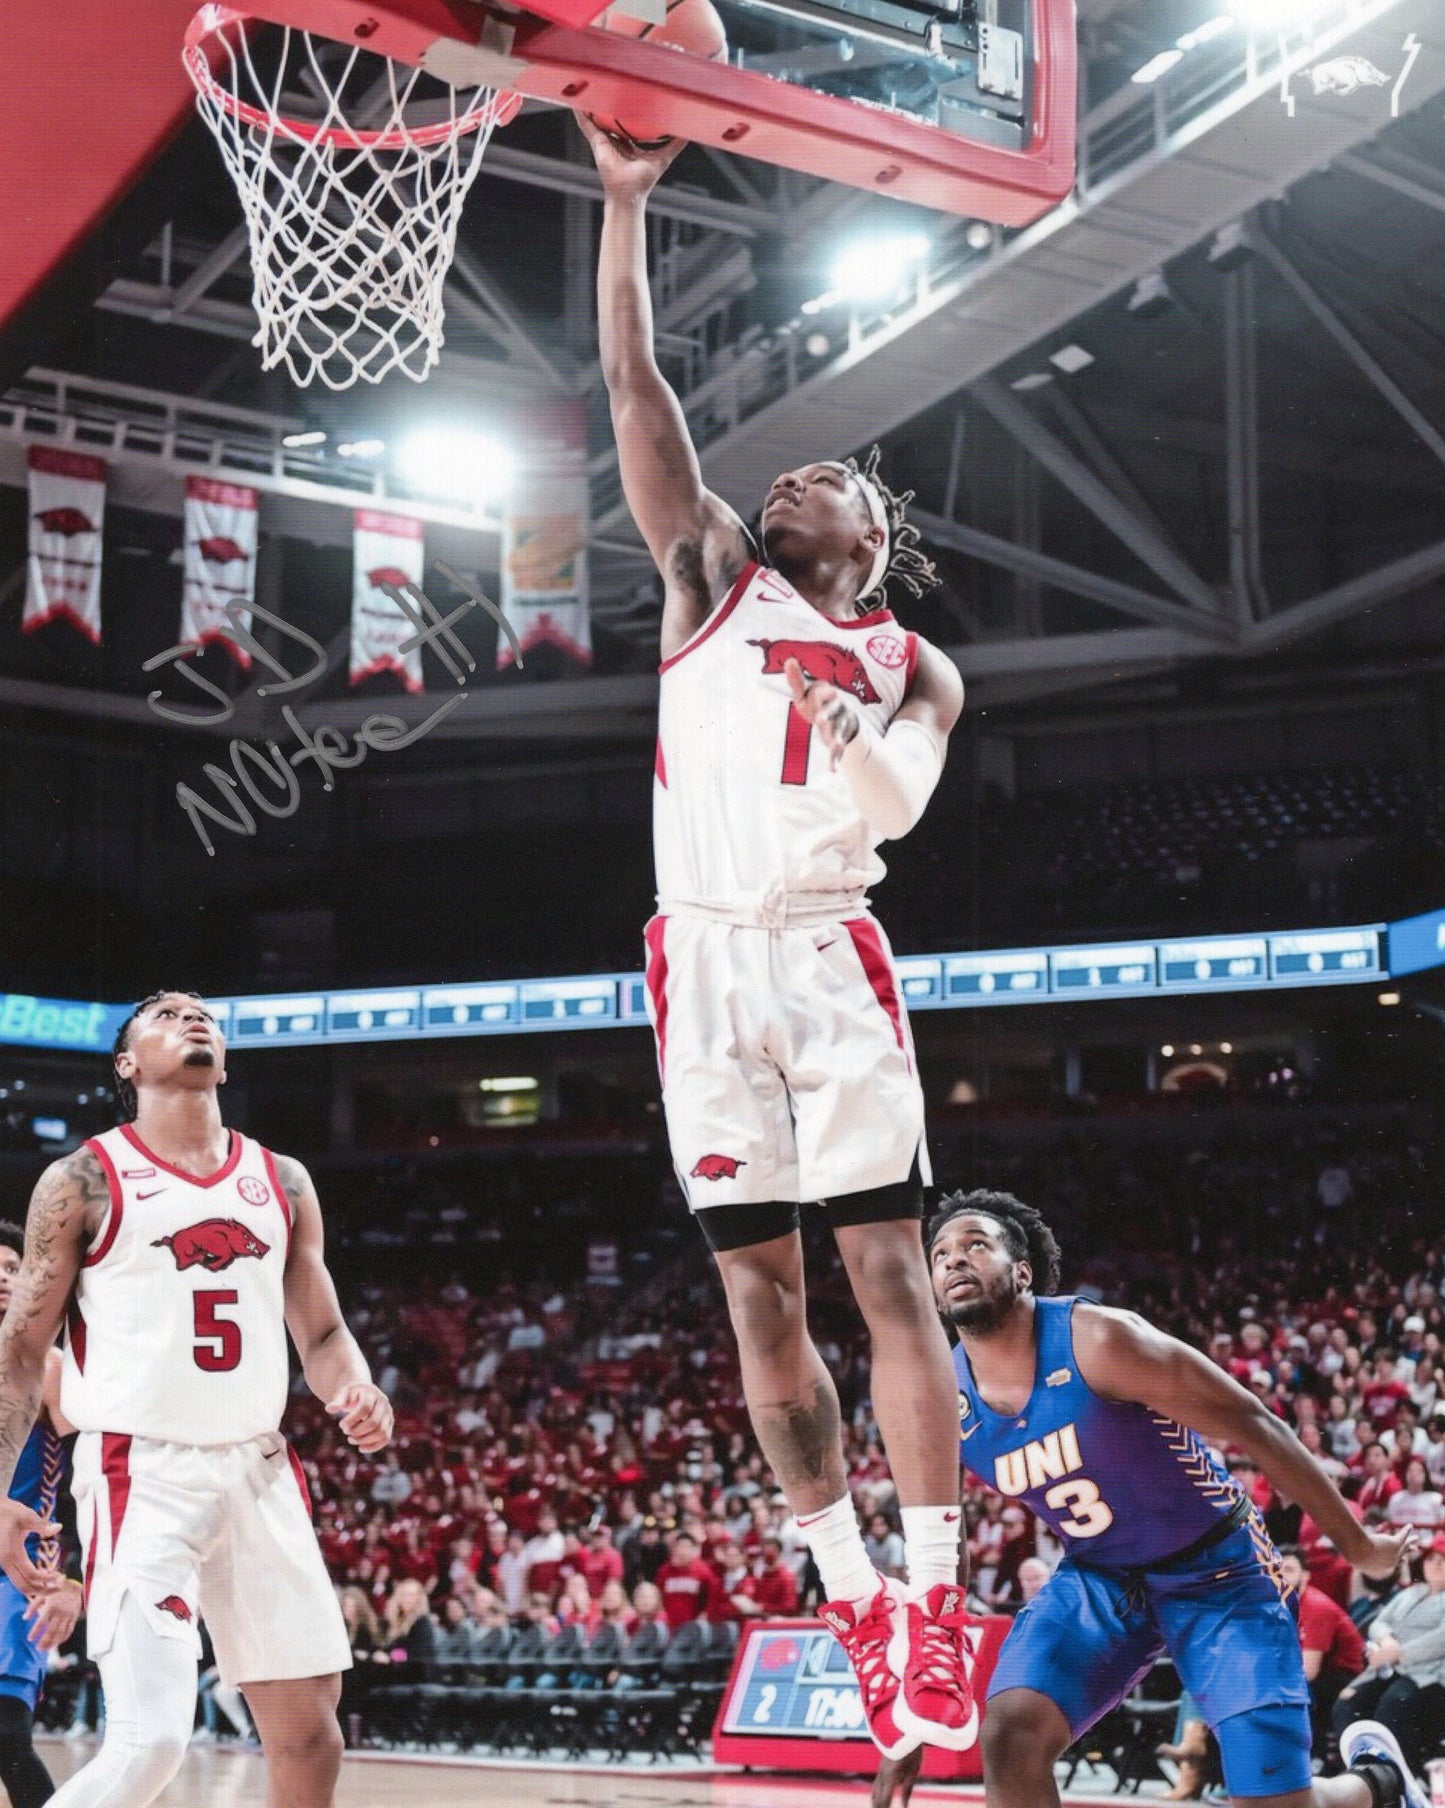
x=1123, y=1357
x=331, y=1359
x=66, y=1209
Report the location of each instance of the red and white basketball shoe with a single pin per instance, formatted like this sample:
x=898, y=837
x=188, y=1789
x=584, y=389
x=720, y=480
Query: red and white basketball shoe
x=931, y=1656
x=865, y=1635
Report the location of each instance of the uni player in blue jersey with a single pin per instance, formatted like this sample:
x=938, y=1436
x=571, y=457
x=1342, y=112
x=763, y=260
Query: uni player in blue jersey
x=1097, y=1422
x=28, y=1630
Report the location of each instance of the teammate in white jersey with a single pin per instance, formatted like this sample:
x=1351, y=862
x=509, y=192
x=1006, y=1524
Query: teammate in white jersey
x=799, y=727
x=177, y=1253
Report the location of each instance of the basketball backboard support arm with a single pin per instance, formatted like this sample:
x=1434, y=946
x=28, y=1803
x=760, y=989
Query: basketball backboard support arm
x=875, y=148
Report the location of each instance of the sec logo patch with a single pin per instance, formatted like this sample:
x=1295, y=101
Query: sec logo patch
x=253, y=1191
x=888, y=650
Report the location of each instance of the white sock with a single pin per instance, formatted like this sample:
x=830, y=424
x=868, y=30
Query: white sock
x=837, y=1546
x=930, y=1542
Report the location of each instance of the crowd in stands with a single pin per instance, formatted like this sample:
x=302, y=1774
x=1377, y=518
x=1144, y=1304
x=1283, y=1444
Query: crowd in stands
x=573, y=1454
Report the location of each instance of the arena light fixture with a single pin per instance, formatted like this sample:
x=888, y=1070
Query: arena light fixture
x=1226, y=1048
x=1276, y=15
x=875, y=268
x=1167, y=1051
x=1157, y=66
x=361, y=448
x=979, y=235
x=455, y=463
x=509, y=1083
x=1207, y=32
x=308, y=436
x=1389, y=998
x=1071, y=358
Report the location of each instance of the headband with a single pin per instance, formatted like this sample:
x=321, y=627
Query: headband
x=878, y=516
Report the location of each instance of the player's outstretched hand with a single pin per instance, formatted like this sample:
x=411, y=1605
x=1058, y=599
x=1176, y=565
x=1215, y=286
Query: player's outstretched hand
x=364, y=1414
x=17, y=1523
x=626, y=169
x=54, y=1617
x=895, y=1780
x=1385, y=1552
x=832, y=712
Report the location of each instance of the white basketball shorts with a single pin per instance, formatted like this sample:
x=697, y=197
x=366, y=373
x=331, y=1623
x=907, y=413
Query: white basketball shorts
x=221, y=1533
x=786, y=1060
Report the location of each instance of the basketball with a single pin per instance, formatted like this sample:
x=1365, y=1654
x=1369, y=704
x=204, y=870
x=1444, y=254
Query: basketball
x=690, y=25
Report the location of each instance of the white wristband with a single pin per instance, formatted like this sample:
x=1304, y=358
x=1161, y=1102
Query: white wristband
x=893, y=775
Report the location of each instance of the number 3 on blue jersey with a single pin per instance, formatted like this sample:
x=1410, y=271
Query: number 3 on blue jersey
x=1089, y=1515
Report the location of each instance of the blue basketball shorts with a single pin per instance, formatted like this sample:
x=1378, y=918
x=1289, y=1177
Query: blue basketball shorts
x=1090, y=1634
x=22, y=1666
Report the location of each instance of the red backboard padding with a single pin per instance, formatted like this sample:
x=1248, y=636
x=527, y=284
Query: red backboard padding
x=90, y=92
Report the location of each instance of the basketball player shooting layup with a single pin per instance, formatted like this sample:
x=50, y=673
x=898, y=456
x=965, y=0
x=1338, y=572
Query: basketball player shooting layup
x=178, y=1253
x=800, y=726
x=1097, y=1422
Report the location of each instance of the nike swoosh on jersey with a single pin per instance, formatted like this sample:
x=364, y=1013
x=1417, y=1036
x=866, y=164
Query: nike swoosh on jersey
x=151, y=1194
x=964, y=1436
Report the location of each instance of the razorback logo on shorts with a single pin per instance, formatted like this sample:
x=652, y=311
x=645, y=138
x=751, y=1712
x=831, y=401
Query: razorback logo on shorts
x=176, y=1607
x=717, y=1167
x=212, y=1244
x=253, y=1191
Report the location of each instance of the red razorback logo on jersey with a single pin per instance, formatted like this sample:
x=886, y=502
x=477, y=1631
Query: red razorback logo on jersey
x=173, y=1604
x=212, y=1244
x=822, y=661
x=717, y=1167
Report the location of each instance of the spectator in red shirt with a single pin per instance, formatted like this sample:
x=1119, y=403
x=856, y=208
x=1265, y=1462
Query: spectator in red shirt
x=689, y=1588
x=600, y=1562
x=1330, y=1642
x=774, y=1586
x=1382, y=1392
x=1381, y=1483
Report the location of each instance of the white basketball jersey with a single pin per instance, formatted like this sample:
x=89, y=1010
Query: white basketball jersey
x=750, y=821
x=177, y=1329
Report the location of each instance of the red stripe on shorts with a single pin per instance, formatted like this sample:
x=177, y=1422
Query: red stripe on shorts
x=300, y=1475
x=879, y=969
x=90, y=1554
x=657, y=984
x=115, y=1465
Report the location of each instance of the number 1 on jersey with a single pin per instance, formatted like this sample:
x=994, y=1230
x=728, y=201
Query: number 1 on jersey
x=222, y=1333
x=796, y=744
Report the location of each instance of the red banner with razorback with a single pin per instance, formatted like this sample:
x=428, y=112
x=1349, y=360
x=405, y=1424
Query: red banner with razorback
x=67, y=514
x=387, y=549
x=220, y=563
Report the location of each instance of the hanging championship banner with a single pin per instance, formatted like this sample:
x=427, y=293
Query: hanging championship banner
x=387, y=549
x=220, y=569
x=67, y=511
x=544, y=538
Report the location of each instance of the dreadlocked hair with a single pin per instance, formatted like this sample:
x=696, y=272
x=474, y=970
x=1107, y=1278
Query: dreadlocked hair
x=913, y=569
x=125, y=1099
x=1028, y=1238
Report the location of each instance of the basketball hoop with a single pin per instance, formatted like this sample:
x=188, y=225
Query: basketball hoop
x=352, y=214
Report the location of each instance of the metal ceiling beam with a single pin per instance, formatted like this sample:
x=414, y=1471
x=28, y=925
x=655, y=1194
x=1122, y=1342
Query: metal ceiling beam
x=1365, y=592
x=1203, y=629
x=1392, y=179
x=468, y=270
x=1096, y=496
x=1106, y=465
x=666, y=200
x=1316, y=305
x=1241, y=446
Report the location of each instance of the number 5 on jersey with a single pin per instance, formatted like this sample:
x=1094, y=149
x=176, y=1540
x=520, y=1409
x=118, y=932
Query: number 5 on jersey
x=218, y=1340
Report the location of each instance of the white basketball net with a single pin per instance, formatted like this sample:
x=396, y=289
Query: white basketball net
x=352, y=220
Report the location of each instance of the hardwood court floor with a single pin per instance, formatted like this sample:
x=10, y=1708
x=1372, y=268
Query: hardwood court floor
x=225, y=1779
x=229, y=1779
